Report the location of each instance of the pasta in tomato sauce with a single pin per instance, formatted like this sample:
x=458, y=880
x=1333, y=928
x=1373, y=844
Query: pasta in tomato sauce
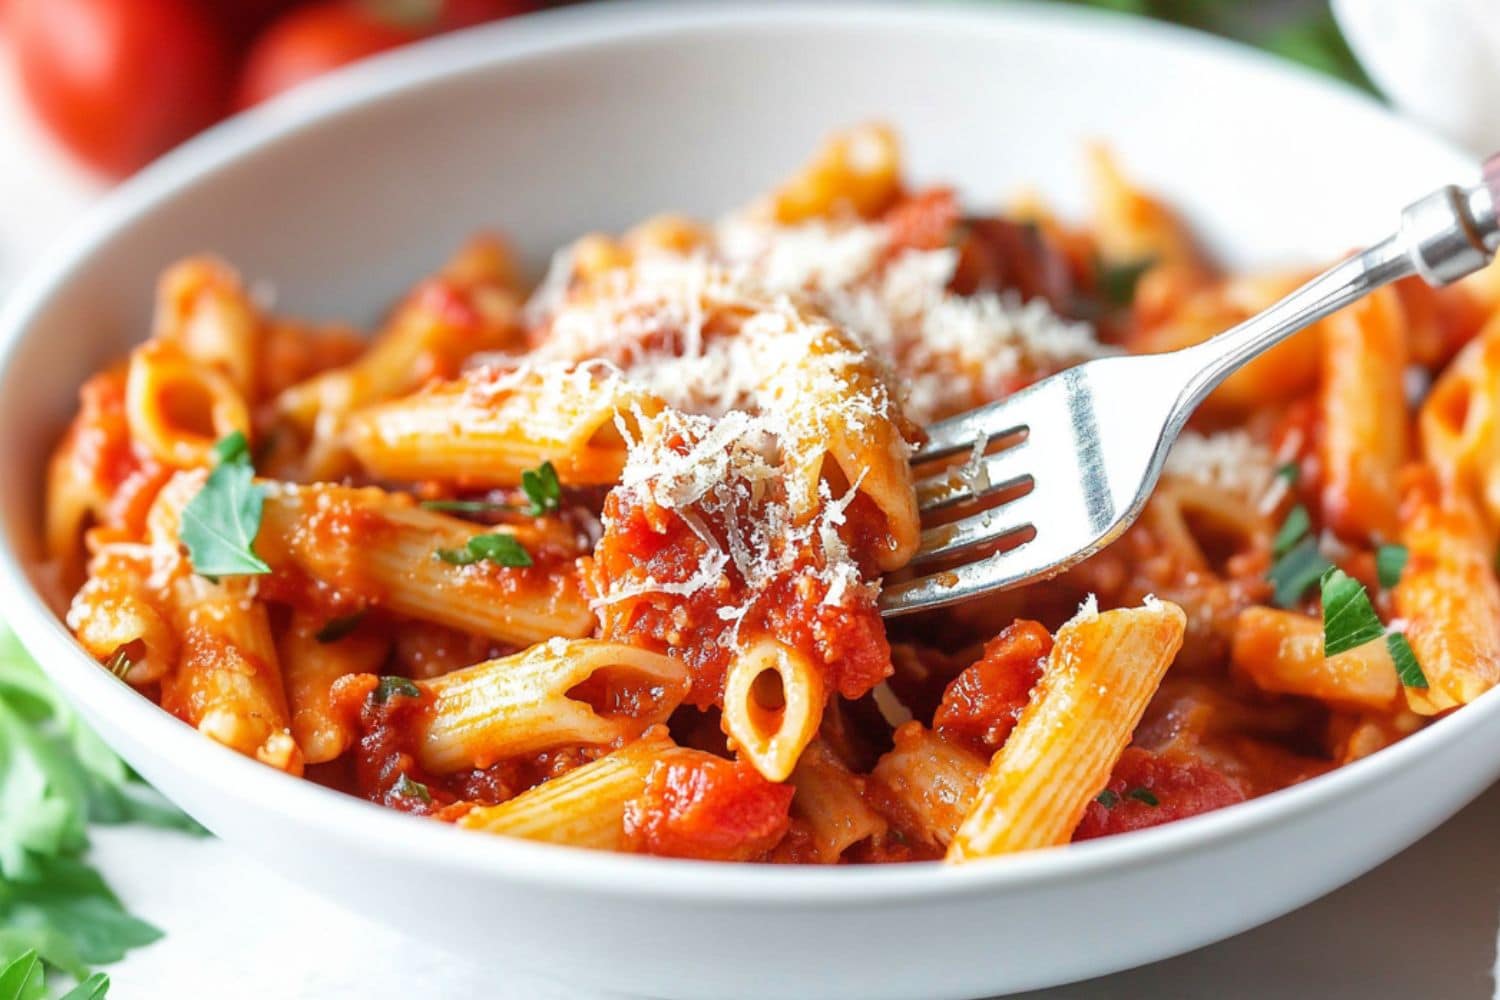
x=597, y=563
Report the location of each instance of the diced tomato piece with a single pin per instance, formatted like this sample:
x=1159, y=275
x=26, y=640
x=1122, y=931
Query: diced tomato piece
x=710, y=809
x=981, y=705
x=1148, y=789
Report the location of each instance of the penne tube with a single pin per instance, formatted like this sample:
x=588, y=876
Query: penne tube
x=816, y=389
x=830, y=801
x=382, y=548
x=227, y=684
x=202, y=308
x=1282, y=652
x=584, y=807
x=116, y=615
x=309, y=666
x=1362, y=401
x=1099, y=677
x=1447, y=594
x=488, y=427
x=525, y=703
x=773, y=702
x=177, y=408
x=858, y=171
x=931, y=781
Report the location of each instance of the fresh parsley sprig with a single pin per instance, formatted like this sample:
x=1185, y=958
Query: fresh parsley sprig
x=1349, y=621
x=339, y=628
x=1390, y=560
x=542, y=488
x=25, y=979
x=502, y=549
x=56, y=777
x=220, y=523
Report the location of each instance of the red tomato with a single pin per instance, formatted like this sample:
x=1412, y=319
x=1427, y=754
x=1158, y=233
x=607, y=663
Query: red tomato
x=120, y=83
x=243, y=18
x=312, y=40
x=467, y=13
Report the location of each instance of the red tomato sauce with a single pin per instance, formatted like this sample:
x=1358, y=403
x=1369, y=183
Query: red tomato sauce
x=1148, y=789
x=707, y=809
x=982, y=705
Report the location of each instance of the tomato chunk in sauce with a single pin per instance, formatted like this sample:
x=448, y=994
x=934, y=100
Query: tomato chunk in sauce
x=710, y=809
x=1148, y=789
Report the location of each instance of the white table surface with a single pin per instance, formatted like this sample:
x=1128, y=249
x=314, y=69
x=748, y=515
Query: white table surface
x=1422, y=925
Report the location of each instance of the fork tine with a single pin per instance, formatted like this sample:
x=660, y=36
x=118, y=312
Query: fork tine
x=976, y=531
x=1000, y=471
x=994, y=572
x=958, y=434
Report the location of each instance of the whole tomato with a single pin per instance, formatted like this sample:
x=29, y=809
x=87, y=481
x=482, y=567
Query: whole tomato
x=120, y=83
x=309, y=41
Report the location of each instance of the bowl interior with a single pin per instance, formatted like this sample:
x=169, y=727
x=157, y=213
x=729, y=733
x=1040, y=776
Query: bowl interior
x=594, y=118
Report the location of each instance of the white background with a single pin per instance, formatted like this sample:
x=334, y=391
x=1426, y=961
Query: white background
x=1423, y=925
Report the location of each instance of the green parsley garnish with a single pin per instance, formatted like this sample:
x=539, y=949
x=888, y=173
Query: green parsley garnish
x=468, y=506
x=1349, y=620
x=1290, y=471
x=1390, y=560
x=1118, y=282
x=390, y=687
x=408, y=789
x=1293, y=530
x=339, y=628
x=1107, y=799
x=24, y=979
x=1144, y=795
x=219, y=525
x=542, y=489
x=496, y=548
x=1301, y=567
x=56, y=778
x=1407, y=667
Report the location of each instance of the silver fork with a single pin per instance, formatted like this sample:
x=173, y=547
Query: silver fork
x=1090, y=441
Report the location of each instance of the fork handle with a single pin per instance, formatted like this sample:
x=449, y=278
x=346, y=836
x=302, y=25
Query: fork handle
x=1451, y=233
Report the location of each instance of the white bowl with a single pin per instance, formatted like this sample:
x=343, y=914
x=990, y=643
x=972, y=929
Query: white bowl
x=594, y=118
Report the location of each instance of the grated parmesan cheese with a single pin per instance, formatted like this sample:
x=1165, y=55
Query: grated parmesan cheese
x=1229, y=460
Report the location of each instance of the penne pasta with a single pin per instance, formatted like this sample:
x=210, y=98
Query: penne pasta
x=1447, y=595
x=528, y=702
x=382, y=548
x=1282, y=652
x=487, y=428
x=773, y=702
x=1363, y=406
x=931, y=781
x=1102, y=671
x=311, y=661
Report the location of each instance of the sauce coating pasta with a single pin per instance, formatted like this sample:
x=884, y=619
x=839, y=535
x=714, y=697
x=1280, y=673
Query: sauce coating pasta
x=597, y=562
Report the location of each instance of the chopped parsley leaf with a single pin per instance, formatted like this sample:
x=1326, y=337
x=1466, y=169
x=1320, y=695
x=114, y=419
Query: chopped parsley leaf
x=390, y=687
x=496, y=548
x=1290, y=471
x=1390, y=560
x=468, y=506
x=542, y=489
x=408, y=789
x=1293, y=530
x=1144, y=795
x=1107, y=799
x=220, y=523
x=1407, y=667
x=1349, y=620
x=339, y=628
x=1291, y=576
x=1117, y=282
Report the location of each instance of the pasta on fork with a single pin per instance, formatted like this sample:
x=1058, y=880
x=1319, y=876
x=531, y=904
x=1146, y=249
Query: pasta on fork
x=597, y=564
